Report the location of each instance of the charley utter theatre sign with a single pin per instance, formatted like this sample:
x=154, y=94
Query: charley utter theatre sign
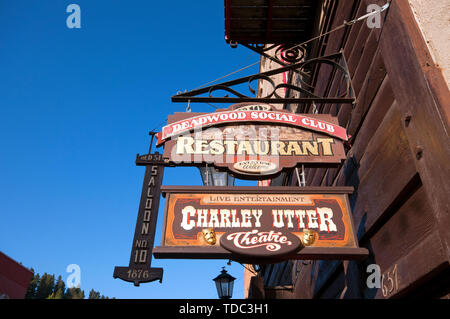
x=267, y=222
x=252, y=140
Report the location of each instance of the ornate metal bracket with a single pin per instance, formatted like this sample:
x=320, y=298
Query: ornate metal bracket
x=305, y=92
x=285, y=54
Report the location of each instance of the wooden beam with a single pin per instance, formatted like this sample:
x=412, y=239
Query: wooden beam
x=217, y=252
x=257, y=190
x=427, y=128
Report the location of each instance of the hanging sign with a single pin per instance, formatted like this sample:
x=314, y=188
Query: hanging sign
x=257, y=222
x=207, y=120
x=139, y=269
x=251, y=148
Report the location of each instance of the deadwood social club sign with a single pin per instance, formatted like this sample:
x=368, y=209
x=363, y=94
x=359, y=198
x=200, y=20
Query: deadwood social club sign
x=251, y=222
x=252, y=140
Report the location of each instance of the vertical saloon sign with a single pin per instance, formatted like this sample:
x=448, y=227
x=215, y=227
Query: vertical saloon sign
x=139, y=269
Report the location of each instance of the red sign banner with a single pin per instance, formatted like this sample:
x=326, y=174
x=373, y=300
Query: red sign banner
x=238, y=116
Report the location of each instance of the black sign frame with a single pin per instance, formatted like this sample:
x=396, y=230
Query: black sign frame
x=139, y=269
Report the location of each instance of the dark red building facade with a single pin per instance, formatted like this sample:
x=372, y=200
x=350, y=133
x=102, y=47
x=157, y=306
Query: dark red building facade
x=14, y=278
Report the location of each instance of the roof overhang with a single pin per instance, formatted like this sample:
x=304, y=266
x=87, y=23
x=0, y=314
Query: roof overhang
x=269, y=21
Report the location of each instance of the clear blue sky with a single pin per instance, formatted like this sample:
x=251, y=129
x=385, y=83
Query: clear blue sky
x=76, y=106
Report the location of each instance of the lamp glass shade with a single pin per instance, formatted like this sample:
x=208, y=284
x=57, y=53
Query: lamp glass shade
x=224, y=285
x=213, y=177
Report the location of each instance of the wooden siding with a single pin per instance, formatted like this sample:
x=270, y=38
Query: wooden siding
x=400, y=203
x=398, y=162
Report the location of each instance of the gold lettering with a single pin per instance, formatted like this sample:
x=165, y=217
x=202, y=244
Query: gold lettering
x=312, y=148
x=261, y=150
x=326, y=145
x=201, y=147
x=184, y=145
x=244, y=146
x=188, y=145
x=278, y=148
x=230, y=147
x=216, y=147
x=294, y=149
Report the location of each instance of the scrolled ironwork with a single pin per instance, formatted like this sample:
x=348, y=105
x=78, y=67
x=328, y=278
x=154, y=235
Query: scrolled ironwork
x=290, y=54
x=294, y=88
x=220, y=87
x=315, y=63
x=263, y=78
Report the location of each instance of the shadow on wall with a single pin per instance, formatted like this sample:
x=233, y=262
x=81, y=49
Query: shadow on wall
x=346, y=279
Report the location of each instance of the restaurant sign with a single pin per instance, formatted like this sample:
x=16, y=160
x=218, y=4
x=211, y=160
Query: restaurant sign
x=256, y=222
x=253, y=141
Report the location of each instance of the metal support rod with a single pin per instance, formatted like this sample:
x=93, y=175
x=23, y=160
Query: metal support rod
x=337, y=61
x=152, y=134
x=301, y=180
